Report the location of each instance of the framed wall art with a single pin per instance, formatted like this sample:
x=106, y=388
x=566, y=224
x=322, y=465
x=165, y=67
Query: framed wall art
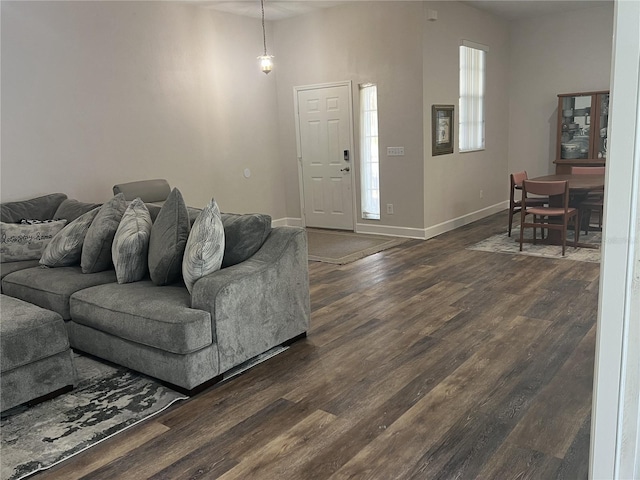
x=442, y=129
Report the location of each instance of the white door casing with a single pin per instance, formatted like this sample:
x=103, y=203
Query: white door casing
x=324, y=124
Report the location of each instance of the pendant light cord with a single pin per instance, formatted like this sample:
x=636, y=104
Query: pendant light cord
x=264, y=34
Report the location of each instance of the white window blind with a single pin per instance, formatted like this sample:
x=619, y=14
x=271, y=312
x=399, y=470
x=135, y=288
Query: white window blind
x=472, y=92
x=369, y=157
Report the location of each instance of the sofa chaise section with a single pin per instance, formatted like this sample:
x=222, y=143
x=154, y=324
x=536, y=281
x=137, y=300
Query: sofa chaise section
x=147, y=328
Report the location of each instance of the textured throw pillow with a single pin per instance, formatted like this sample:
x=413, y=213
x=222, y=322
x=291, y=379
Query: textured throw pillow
x=168, y=238
x=243, y=236
x=205, y=246
x=65, y=249
x=26, y=242
x=131, y=243
x=41, y=208
x=71, y=209
x=96, y=251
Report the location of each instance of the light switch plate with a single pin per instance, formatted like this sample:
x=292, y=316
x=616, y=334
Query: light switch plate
x=395, y=151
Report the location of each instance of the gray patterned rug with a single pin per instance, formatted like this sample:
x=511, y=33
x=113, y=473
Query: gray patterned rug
x=107, y=400
x=503, y=244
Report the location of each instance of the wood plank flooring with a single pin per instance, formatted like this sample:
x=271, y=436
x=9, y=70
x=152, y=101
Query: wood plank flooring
x=426, y=361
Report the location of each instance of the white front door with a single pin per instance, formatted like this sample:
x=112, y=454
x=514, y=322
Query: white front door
x=326, y=156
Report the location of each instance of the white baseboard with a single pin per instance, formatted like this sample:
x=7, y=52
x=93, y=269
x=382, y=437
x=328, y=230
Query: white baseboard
x=410, y=232
x=406, y=232
x=449, y=225
x=430, y=232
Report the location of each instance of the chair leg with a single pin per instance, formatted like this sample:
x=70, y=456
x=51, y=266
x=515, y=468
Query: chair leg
x=587, y=221
x=510, y=220
x=521, y=228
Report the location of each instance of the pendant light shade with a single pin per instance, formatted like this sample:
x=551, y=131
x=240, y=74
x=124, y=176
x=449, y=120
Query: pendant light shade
x=266, y=62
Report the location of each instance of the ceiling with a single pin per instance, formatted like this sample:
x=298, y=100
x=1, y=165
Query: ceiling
x=507, y=9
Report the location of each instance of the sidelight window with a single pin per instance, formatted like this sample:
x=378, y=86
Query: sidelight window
x=369, y=157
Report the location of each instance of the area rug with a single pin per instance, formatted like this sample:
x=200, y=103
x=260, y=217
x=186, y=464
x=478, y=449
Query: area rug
x=341, y=247
x=503, y=244
x=107, y=400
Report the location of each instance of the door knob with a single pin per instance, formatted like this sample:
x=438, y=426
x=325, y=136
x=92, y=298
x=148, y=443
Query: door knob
x=345, y=169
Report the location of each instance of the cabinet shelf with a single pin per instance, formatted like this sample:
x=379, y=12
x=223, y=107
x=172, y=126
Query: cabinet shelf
x=582, y=130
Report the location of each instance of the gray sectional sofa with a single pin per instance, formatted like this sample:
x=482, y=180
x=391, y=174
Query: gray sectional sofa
x=185, y=339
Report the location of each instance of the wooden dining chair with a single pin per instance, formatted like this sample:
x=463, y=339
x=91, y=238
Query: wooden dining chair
x=594, y=203
x=548, y=217
x=515, y=205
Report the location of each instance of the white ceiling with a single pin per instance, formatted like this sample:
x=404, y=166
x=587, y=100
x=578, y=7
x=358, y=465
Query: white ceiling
x=507, y=9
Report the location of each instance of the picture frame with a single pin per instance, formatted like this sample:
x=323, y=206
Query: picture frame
x=442, y=129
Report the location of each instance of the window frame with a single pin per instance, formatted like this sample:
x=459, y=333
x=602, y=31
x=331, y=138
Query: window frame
x=369, y=150
x=464, y=119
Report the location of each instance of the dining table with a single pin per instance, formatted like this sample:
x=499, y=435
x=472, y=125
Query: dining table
x=579, y=187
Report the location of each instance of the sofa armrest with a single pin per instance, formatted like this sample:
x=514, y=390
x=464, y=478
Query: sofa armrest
x=261, y=302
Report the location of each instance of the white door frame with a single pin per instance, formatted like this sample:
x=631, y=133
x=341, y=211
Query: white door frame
x=615, y=421
x=355, y=170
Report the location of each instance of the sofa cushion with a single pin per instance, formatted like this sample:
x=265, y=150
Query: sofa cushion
x=28, y=333
x=71, y=209
x=151, y=191
x=131, y=243
x=41, y=208
x=141, y=312
x=65, y=249
x=168, y=239
x=243, y=235
x=96, y=251
x=205, y=246
x=26, y=242
x=10, y=267
x=51, y=288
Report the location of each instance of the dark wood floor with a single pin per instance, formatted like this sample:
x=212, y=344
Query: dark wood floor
x=426, y=361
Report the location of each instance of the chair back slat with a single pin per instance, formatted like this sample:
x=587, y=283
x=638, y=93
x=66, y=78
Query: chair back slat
x=517, y=178
x=545, y=188
x=587, y=170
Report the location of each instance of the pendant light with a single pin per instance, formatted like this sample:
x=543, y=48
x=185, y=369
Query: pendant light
x=266, y=62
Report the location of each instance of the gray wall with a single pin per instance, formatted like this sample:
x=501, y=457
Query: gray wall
x=453, y=183
x=98, y=93
x=378, y=42
x=564, y=53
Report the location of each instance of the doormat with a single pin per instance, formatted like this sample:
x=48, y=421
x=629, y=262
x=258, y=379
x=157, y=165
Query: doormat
x=341, y=247
x=107, y=400
x=503, y=244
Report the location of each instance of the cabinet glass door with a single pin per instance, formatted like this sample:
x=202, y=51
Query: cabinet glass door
x=576, y=127
x=601, y=135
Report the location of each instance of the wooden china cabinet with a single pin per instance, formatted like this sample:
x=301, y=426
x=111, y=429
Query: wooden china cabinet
x=582, y=130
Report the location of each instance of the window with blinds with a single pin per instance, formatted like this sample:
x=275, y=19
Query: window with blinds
x=369, y=157
x=472, y=94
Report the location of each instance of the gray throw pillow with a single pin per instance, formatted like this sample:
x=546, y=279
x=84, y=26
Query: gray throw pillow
x=71, y=209
x=205, y=246
x=65, y=249
x=40, y=208
x=131, y=243
x=20, y=242
x=167, y=241
x=243, y=235
x=96, y=251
